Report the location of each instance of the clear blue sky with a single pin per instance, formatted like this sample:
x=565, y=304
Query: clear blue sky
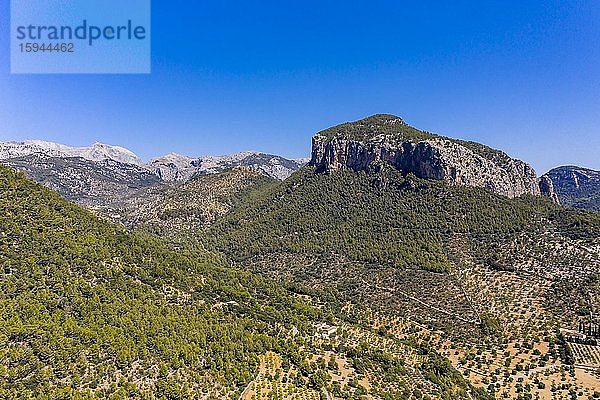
x=230, y=76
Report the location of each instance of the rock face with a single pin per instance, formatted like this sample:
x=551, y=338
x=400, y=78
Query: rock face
x=547, y=188
x=173, y=167
x=369, y=144
x=576, y=186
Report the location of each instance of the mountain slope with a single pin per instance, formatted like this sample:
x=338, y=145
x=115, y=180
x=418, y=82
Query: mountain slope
x=492, y=278
x=91, y=183
x=88, y=310
x=181, y=208
x=386, y=218
x=577, y=187
x=486, y=273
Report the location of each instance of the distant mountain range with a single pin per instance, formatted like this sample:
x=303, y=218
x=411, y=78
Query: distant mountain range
x=177, y=167
x=101, y=174
x=95, y=152
x=169, y=167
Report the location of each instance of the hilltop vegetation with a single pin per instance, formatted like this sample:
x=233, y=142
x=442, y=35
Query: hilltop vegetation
x=379, y=124
x=396, y=130
x=180, y=209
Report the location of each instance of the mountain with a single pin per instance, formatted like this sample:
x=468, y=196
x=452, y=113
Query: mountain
x=93, y=176
x=110, y=176
x=90, y=310
x=390, y=267
x=576, y=186
x=95, y=152
x=358, y=209
x=171, y=167
x=87, y=182
x=493, y=277
x=182, y=208
x=386, y=139
x=175, y=167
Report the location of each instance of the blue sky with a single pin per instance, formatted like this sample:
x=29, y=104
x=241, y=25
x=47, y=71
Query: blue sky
x=230, y=76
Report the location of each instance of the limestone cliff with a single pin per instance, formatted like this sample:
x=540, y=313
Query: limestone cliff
x=368, y=144
x=547, y=188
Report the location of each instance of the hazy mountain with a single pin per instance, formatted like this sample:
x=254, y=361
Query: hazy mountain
x=95, y=152
x=576, y=186
x=103, y=175
x=176, y=167
x=87, y=182
x=96, y=175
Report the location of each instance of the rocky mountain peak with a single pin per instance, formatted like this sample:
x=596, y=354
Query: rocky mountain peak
x=370, y=143
x=95, y=152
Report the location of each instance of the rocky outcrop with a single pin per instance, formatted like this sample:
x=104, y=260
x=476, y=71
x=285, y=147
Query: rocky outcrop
x=427, y=156
x=173, y=167
x=547, y=188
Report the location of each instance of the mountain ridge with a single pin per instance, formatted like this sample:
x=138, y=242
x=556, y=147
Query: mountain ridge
x=169, y=167
x=438, y=273
x=365, y=144
x=95, y=152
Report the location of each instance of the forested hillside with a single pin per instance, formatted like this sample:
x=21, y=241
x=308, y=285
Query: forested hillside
x=88, y=308
x=485, y=274
x=180, y=209
x=386, y=218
